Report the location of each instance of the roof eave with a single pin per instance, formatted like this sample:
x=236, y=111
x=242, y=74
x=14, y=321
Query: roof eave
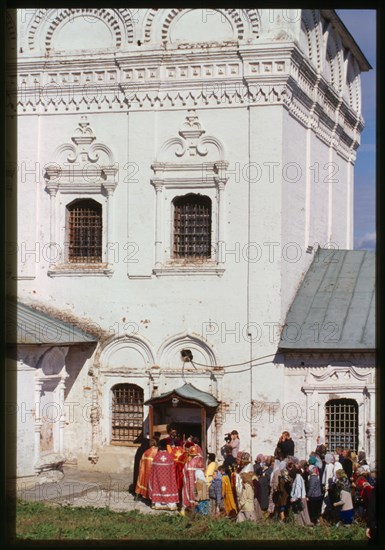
x=347, y=39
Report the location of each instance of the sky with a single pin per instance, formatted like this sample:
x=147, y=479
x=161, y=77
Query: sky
x=362, y=26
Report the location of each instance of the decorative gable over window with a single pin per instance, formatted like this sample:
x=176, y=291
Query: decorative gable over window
x=189, y=172
x=83, y=165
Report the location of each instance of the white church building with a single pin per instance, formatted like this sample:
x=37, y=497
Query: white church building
x=184, y=188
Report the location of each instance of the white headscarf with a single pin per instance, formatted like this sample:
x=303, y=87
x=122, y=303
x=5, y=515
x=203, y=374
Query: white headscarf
x=199, y=474
x=329, y=458
x=247, y=468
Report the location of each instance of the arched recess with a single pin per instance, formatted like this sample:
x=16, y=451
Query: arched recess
x=311, y=36
x=169, y=353
x=352, y=89
x=47, y=22
x=334, y=58
x=128, y=353
x=160, y=25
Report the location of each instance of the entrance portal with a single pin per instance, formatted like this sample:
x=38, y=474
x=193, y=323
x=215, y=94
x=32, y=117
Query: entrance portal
x=189, y=408
x=184, y=430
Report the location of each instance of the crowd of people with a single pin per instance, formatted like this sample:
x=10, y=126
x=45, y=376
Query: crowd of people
x=326, y=487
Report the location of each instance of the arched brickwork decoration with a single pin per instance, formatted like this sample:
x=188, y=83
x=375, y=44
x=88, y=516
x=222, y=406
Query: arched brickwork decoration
x=334, y=54
x=45, y=22
x=353, y=85
x=311, y=27
x=246, y=22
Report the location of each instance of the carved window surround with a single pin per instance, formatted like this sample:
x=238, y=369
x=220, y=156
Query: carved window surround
x=82, y=169
x=196, y=172
x=336, y=381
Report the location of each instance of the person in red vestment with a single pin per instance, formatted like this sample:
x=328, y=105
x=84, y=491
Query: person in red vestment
x=194, y=462
x=173, y=440
x=145, y=466
x=162, y=487
x=180, y=456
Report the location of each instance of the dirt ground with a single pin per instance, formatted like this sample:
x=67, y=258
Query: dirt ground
x=81, y=488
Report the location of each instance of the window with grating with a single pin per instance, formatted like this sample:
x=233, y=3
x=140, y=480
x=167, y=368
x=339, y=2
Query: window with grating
x=192, y=227
x=85, y=231
x=127, y=414
x=341, y=424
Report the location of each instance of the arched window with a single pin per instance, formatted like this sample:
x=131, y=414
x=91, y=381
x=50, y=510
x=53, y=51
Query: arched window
x=127, y=414
x=341, y=424
x=84, y=220
x=192, y=227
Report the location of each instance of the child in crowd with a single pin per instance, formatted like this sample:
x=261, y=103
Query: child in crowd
x=346, y=510
x=215, y=493
x=212, y=465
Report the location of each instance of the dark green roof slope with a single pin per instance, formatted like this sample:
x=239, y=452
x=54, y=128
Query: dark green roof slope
x=334, y=307
x=188, y=391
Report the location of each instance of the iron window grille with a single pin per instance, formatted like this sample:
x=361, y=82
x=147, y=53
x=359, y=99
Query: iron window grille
x=127, y=414
x=192, y=227
x=85, y=231
x=341, y=423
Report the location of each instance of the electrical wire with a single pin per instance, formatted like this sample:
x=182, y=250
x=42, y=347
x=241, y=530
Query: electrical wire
x=236, y=364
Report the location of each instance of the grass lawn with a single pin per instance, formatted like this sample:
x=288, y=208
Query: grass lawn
x=37, y=521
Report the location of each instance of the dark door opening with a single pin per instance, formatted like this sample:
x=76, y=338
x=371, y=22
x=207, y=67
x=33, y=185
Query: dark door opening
x=186, y=429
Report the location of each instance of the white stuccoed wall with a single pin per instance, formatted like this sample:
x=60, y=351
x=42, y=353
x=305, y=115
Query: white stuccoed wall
x=134, y=304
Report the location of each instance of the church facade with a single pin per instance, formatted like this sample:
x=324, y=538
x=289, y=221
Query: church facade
x=179, y=173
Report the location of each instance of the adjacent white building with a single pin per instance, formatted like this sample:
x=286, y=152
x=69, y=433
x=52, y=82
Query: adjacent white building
x=177, y=172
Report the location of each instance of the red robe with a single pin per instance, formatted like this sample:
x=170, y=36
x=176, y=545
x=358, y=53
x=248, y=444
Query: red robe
x=180, y=457
x=162, y=487
x=188, y=493
x=145, y=466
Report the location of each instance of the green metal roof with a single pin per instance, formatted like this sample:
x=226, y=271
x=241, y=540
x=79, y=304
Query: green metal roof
x=187, y=391
x=334, y=307
x=26, y=325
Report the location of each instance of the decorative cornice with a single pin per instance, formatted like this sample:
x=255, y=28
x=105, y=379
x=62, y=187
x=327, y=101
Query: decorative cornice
x=250, y=75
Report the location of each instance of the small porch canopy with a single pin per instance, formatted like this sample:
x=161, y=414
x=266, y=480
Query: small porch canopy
x=185, y=396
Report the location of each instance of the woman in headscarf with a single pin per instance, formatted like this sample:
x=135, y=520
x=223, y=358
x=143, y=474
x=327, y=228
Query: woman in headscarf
x=274, y=486
x=336, y=466
x=314, y=494
x=246, y=501
x=327, y=478
x=298, y=496
x=264, y=481
x=284, y=489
